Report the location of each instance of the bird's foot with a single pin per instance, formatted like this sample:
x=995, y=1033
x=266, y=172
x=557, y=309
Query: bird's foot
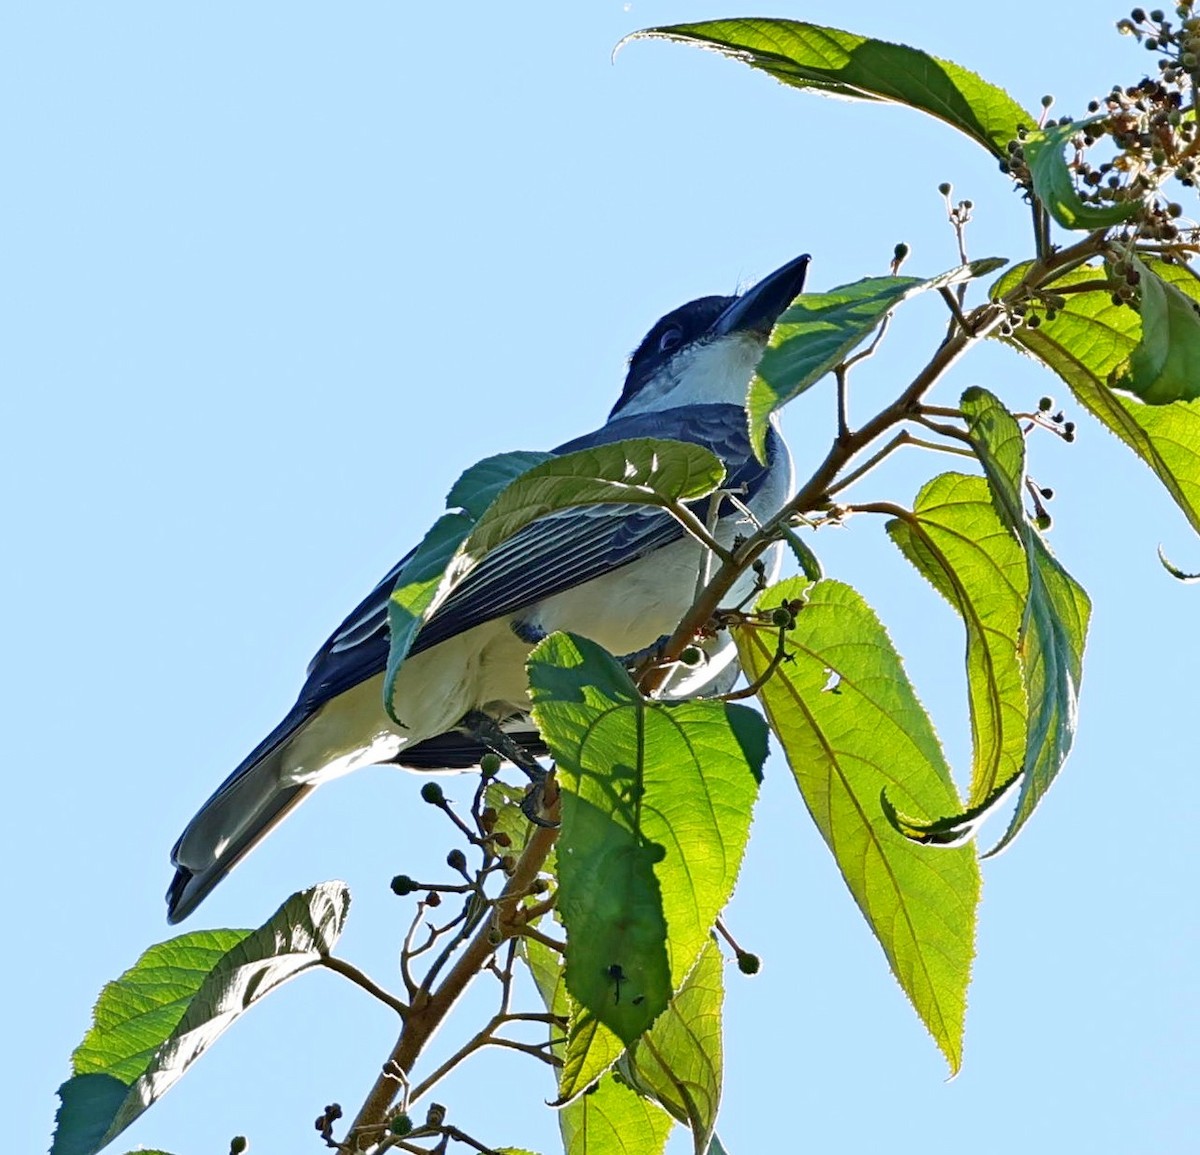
x=486, y=730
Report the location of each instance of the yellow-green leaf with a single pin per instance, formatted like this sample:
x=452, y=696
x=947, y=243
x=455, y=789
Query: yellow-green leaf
x=852, y=728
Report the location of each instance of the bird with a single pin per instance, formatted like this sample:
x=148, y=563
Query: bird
x=622, y=576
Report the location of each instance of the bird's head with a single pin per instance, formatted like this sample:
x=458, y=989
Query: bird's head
x=704, y=352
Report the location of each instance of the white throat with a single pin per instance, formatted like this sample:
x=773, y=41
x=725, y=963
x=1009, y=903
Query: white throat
x=707, y=373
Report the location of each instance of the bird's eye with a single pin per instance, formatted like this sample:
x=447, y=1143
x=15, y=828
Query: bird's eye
x=669, y=340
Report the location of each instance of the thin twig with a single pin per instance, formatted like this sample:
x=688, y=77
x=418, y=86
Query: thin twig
x=546, y=941
x=776, y=661
x=843, y=424
x=955, y=307
x=695, y=527
x=350, y=971
x=876, y=341
x=431, y=1008
x=941, y=428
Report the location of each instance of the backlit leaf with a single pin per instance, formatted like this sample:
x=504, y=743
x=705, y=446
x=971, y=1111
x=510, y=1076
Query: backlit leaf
x=839, y=63
x=656, y=806
x=852, y=727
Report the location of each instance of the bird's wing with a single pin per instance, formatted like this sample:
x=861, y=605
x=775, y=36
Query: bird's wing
x=555, y=553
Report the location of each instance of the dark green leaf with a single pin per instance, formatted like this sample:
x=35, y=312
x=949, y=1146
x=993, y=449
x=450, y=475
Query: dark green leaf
x=956, y=540
x=1088, y=341
x=656, y=811
x=165, y=1011
x=851, y=727
x=1054, y=185
x=679, y=1062
x=1165, y=366
x=810, y=564
x=502, y=495
x=818, y=329
x=1056, y=615
x=844, y=64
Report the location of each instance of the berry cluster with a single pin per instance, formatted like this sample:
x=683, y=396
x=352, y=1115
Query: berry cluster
x=1152, y=129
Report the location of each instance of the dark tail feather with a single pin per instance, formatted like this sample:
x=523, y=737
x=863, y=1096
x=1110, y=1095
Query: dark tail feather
x=244, y=809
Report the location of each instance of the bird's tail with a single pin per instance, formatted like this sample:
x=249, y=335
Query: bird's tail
x=232, y=822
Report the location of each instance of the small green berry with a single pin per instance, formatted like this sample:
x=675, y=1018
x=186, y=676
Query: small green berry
x=400, y=1125
x=1046, y=404
x=432, y=793
x=456, y=860
x=783, y=618
x=489, y=765
x=692, y=656
x=238, y=1144
x=748, y=964
x=945, y=188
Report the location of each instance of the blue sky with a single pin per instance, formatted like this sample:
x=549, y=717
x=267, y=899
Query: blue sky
x=272, y=276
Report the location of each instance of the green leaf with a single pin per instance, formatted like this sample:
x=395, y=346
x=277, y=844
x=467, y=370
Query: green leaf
x=679, y=1062
x=843, y=64
x=591, y=1049
x=851, y=727
x=1054, y=185
x=1088, y=341
x=640, y=471
x=1056, y=613
x=817, y=330
x=419, y=585
x=809, y=563
x=1165, y=366
x=955, y=539
x=166, y=1010
x=613, y=1120
x=656, y=808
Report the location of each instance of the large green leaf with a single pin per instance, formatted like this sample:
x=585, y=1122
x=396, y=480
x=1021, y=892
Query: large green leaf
x=817, y=330
x=844, y=64
x=609, y=1119
x=1089, y=341
x=956, y=540
x=656, y=808
x=1056, y=612
x=1165, y=366
x=678, y=1063
x=166, y=1010
x=1054, y=185
x=613, y=1120
x=852, y=727
x=501, y=495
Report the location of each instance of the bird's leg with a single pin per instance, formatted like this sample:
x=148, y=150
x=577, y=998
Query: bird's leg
x=487, y=731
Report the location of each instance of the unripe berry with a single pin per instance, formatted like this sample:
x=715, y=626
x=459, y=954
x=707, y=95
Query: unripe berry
x=431, y=792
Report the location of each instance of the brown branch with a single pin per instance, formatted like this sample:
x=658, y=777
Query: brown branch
x=350, y=971
x=430, y=1008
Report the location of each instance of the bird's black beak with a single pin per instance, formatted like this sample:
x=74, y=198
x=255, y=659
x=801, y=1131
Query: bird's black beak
x=757, y=309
